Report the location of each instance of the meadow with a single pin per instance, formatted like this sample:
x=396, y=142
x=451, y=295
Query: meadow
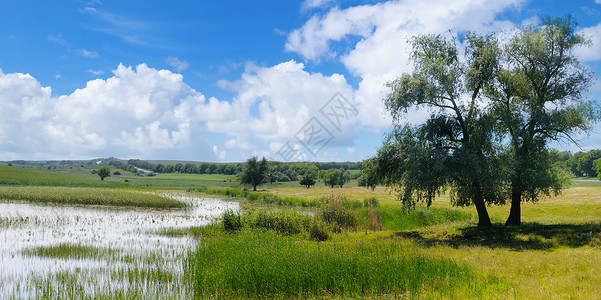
x=106, y=239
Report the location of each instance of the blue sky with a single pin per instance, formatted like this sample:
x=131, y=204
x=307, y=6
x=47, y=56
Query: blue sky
x=223, y=80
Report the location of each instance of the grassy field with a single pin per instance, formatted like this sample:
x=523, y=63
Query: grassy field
x=374, y=248
x=84, y=178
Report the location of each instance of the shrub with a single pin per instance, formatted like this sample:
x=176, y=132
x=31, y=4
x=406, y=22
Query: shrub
x=231, y=221
x=319, y=232
x=338, y=214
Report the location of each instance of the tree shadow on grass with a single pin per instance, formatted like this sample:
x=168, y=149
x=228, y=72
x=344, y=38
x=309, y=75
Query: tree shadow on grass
x=530, y=236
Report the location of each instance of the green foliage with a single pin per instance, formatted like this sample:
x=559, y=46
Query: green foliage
x=231, y=221
x=254, y=172
x=308, y=180
x=319, y=232
x=539, y=95
x=336, y=177
x=104, y=172
x=586, y=163
x=265, y=265
x=455, y=146
x=286, y=223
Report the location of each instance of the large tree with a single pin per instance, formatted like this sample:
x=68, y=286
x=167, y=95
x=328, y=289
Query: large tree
x=538, y=96
x=455, y=146
x=254, y=172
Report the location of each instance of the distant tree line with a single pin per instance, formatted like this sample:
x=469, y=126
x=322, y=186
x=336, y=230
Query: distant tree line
x=581, y=164
x=278, y=171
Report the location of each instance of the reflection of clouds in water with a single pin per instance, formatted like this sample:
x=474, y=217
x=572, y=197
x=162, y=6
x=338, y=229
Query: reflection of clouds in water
x=26, y=226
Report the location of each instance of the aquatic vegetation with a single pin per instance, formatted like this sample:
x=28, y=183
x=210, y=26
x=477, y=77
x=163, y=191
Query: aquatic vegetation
x=87, y=196
x=100, y=252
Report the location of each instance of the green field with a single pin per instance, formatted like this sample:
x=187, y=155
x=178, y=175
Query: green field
x=371, y=247
x=84, y=178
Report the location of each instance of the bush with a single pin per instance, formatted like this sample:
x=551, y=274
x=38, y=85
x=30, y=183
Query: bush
x=338, y=214
x=231, y=221
x=319, y=232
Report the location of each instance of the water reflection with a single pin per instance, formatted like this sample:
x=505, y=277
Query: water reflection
x=132, y=233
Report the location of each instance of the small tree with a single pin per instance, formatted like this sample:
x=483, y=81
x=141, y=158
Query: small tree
x=330, y=177
x=344, y=177
x=339, y=177
x=273, y=176
x=254, y=172
x=104, y=172
x=308, y=180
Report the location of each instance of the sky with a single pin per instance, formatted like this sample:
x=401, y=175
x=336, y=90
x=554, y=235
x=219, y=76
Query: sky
x=220, y=81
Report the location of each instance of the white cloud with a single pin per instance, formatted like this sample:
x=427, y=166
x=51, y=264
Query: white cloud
x=25, y=107
x=598, y=1
x=179, y=65
x=96, y=72
x=57, y=39
x=87, y=53
x=381, y=54
x=592, y=53
x=309, y=4
x=219, y=154
x=274, y=103
x=141, y=112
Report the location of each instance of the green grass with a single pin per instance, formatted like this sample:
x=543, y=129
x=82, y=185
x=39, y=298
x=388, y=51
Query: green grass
x=268, y=198
x=258, y=264
x=70, y=251
x=83, y=178
x=394, y=217
x=87, y=196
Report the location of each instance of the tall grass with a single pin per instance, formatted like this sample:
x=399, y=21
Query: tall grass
x=87, y=196
x=269, y=198
x=256, y=264
x=397, y=218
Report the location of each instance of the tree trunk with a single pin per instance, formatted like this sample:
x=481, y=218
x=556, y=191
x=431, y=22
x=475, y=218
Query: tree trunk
x=515, y=212
x=254, y=187
x=483, y=218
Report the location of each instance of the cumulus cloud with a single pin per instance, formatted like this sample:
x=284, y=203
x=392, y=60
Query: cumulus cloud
x=137, y=112
x=145, y=112
x=24, y=110
x=592, y=53
x=381, y=54
x=276, y=102
x=178, y=64
x=219, y=154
